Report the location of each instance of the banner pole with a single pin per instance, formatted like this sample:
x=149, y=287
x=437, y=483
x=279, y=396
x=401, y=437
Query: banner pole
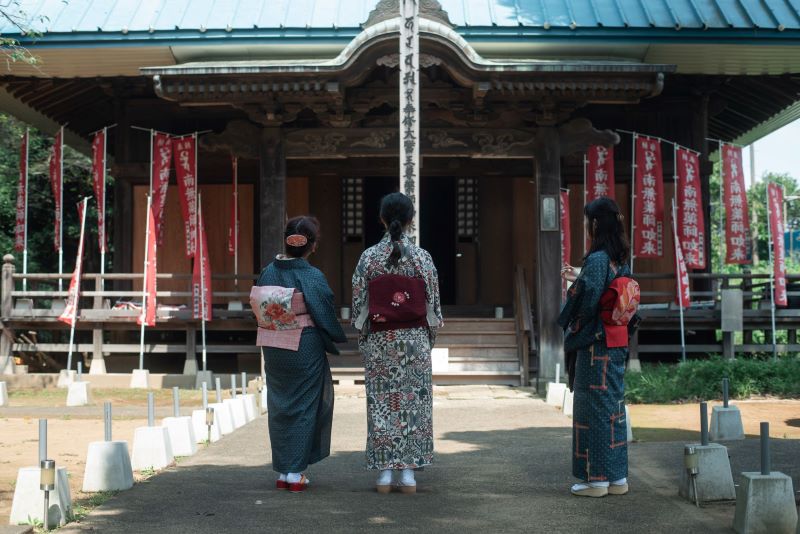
x=78, y=285
x=199, y=257
x=147, y=231
x=61, y=212
x=102, y=209
x=677, y=277
x=633, y=197
x=25, y=231
x=771, y=244
x=236, y=222
x=585, y=197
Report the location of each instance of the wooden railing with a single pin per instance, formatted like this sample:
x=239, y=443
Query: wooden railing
x=523, y=320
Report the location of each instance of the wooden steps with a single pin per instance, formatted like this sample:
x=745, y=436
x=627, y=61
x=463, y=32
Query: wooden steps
x=479, y=351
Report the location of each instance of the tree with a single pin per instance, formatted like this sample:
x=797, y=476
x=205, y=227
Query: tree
x=13, y=51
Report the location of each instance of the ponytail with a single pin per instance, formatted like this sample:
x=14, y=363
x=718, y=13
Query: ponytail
x=397, y=211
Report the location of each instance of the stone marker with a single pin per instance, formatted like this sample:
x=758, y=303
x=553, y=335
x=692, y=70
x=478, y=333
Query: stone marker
x=151, y=444
x=567, y=408
x=713, y=481
x=726, y=420
x=3, y=394
x=556, y=390
x=765, y=501
x=140, y=379
x=78, y=394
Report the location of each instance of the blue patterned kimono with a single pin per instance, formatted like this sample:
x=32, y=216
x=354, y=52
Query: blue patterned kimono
x=599, y=432
x=299, y=384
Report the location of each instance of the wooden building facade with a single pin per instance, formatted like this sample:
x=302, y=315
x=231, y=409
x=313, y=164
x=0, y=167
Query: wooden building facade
x=510, y=100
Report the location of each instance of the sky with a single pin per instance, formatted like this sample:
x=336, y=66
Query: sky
x=779, y=152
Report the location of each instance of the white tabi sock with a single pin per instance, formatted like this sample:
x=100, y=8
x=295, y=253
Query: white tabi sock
x=282, y=478
x=294, y=478
x=407, y=478
x=620, y=482
x=384, y=478
x=579, y=487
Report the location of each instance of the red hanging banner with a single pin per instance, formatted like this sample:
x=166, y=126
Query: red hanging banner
x=70, y=313
x=201, y=275
x=56, y=155
x=20, y=228
x=162, y=156
x=648, y=236
x=683, y=295
x=566, y=245
x=99, y=182
x=737, y=227
x=185, y=166
x=599, y=173
x=233, y=229
x=148, y=315
x=775, y=198
x=691, y=221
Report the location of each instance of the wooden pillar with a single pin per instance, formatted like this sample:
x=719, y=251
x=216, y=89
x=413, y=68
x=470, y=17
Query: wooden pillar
x=547, y=154
x=699, y=136
x=122, y=231
x=6, y=306
x=272, y=194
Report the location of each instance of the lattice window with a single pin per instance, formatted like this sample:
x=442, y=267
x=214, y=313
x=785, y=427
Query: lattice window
x=467, y=208
x=352, y=209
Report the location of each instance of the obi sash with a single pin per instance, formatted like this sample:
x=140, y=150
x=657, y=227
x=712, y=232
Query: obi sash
x=281, y=314
x=397, y=302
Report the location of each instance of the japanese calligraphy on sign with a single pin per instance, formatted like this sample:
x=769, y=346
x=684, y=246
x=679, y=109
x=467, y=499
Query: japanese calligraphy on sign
x=648, y=236
x=409, y=104
x=99, y=183
x=775, y=207
x=599, y=176
x=56, y=184
x=566, y=245
x=737, y=227
x=162, y=156
x=185, y=149
x=20, y=228
x=691, y=220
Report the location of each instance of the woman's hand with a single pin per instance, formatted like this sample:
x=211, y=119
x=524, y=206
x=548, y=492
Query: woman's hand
x=569, y=273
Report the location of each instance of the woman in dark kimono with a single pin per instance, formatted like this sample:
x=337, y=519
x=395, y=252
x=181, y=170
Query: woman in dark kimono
x=599, y=434
x=298, y=325
x=393, y=278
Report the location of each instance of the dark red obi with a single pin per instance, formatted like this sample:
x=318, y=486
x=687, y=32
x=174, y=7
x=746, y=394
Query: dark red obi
x=396, y=302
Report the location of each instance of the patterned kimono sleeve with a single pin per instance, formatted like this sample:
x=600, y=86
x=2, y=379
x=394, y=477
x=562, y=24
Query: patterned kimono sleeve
x=583, y=296
x=319, y=300
x=360, y=297
x=432, y=298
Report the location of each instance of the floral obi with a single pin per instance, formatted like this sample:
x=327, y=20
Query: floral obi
x=397, y=302
x=281, y=315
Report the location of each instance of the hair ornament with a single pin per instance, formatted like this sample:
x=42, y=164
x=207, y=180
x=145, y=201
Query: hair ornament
x=297, y=240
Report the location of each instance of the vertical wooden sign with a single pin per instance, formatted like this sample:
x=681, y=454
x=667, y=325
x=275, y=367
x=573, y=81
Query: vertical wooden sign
x=409, y=106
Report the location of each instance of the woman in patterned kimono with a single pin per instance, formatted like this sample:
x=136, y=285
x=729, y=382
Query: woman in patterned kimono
x=397, y=355
x=301, y=326
x=599, y=434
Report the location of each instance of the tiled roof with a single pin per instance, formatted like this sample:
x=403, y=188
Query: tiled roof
x=117, y=16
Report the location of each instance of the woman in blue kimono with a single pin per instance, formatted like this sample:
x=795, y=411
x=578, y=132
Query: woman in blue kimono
x=599, y=433
x=298, y=325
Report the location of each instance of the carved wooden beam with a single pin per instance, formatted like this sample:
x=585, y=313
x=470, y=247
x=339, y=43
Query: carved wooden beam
x=578, y=134
x=240, y=138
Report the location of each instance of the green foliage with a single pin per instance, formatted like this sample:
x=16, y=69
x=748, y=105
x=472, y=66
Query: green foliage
x=14, y=52
x=702, y=380
x=42, y=256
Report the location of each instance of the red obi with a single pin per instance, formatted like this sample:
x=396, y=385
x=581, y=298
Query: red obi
x=396, y=302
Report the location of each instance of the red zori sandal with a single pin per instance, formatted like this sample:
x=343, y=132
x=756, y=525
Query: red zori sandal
x=297, y=487
x=281, y=484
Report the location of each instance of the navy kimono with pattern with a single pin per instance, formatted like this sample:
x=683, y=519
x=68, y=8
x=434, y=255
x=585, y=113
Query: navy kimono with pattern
x=299, y=384
x=599, y=432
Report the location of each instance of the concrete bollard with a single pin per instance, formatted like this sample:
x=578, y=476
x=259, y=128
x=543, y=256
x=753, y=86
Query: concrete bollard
x=140, y=379
x=262, y=391
x=556, y=390
x=78, y=394
x=28, y=502
x=250, y=406
x=713, y=480
x=224, y=416
x=3, y=394
x=726, y=420
x=628, y=424
x=765, y=500
x=567, y=407
x=152, y=448
x=181, y=435
x=218, y=388
x=65, y=378
x=200, y=425
x=238, y=411
x=108, y=463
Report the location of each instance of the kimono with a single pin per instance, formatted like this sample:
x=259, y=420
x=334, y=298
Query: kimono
x=397, y=363
x=599, y=433
x=299, y=383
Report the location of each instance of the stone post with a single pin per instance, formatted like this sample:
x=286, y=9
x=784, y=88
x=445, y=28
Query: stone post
x=6, y=306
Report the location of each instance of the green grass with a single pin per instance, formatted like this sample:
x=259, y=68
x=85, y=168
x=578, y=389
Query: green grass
x=702, y=380
x=83, y=507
